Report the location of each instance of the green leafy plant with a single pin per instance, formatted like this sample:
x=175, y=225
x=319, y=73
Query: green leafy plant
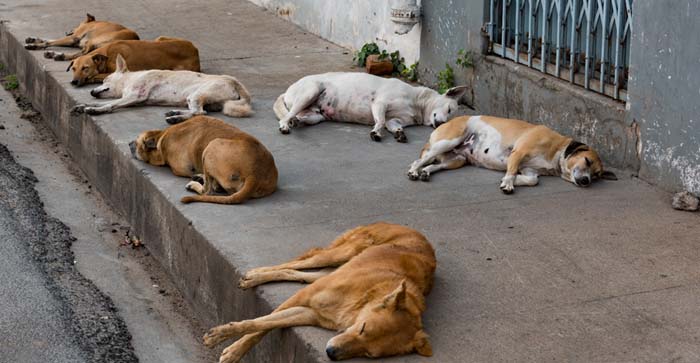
x=446, y=79
x=465, y=59
x=2, y=66
x=366, y=50
x=410, y=73
x=11, y=82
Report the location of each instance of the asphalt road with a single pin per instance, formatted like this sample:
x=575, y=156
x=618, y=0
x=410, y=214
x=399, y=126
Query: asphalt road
x=50, y=312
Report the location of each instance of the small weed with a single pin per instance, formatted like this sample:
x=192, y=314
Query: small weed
x=366, y=50
x=465, y=59
x=410, y=73
x=446, y=79
x=11, y=82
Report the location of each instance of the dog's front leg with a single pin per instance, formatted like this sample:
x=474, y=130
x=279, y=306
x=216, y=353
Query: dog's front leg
x=259, y=278
x=126, y=101
x=68, y=41
x=379, y=115
x=508, y=182
x=528, y=177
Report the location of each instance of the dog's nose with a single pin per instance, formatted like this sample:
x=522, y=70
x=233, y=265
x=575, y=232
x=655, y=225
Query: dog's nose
x=93, y=93
x=132, y=147
x=74, y=82
x=437, y=124
x=332, y=352
x=583, y=182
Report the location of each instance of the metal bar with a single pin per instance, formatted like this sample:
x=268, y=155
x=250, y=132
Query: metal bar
x=517, y=31
x=573, y=60
x=559, y=25
x=586, y=81
x=618, y=27
x=503, y=27
x=492, y=18
x=543, y=58
x=603, y=44
x=530, y=35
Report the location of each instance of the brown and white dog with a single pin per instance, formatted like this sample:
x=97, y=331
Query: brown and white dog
x=375, y=298
x=88, y=35
x=525, y=151
x=162, y=53
x=219, y=158
x=195, y=90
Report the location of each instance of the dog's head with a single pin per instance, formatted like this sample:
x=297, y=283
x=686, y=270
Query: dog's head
x=85, y=68
x=582, y=165
x=113, y=85
x=145, y=147
x=444, y=106
x=389, y=328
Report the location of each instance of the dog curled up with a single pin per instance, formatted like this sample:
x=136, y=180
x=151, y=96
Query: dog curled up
x=227, y=165
x=523, y=150
x=88, y=35
x=196, y=91
x=375, y=297
x=162, y=53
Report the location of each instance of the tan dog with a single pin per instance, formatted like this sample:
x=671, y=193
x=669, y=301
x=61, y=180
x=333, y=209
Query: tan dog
x=523, y=150
x=219, y=157
x=162, y=53
x=375, y=298
x=88, y=36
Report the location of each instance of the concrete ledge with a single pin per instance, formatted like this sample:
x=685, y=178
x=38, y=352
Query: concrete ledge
x=543, y=275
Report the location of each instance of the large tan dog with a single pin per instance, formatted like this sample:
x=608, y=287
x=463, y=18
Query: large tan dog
x=162, y=53
x=88, y=36
x=375, y=298
x=523, y=150
x=219, y=157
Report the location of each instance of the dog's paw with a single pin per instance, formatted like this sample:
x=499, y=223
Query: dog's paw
x=78, y=109
x=375, y=136
x=413, y=175
x=58, y=56
x=49, y=54
x=245, y=283
x=284, y=130
x=173, y=120
x=232, y=354
x=199, y=178
x=31, y=46
x=214, y=337
x=172, y=113
x=424, y=176
x=30, y=40
x=507, y=188
x=93, y=111
x=400, y=136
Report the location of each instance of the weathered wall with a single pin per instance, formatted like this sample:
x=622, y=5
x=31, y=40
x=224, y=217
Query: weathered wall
x=349, y=23
x=664, y=91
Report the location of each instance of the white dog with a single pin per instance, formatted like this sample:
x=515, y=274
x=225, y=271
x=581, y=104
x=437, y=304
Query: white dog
x=173, y=88
x=366, y=99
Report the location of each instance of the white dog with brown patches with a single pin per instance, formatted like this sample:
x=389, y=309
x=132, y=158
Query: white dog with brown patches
x=170, y=88
x=365, y=99
x=525, y=151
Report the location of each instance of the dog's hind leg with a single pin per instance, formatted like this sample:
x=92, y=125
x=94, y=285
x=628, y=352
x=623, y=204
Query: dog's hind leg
x=195, y=107
x=259, y=278
x=301, y=102
x=379, y=115
x=449, y=161
x=396, y=127
x=69, y=41
x=438, y=148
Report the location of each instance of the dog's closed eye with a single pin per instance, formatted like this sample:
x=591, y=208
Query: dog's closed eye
x=362, y=330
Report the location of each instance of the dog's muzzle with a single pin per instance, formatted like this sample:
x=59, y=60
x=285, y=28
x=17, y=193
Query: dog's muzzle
x=132, y=147
x=583, y=182
x=437, y=124
x=332, y=353
x=96, y=93
x=75, y=82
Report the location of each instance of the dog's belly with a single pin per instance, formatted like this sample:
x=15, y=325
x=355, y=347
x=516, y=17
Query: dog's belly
x=482, y=146
x=351, y=104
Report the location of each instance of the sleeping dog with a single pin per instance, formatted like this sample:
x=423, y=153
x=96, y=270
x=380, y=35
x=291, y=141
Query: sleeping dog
x=218, y=157
x=375, y=298
x=365, y=99
x=172, y=88
x=523, y=150
x=88, y=35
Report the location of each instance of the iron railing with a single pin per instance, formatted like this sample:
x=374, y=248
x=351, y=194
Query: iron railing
x=585, y=42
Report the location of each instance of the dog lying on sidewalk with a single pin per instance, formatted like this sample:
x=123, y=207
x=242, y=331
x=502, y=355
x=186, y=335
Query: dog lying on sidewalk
x=88, y=35
x=173, y=88
x=523, y=150
x=365, y=99
x=162, y=53
x=219, y=157
x=375, y=298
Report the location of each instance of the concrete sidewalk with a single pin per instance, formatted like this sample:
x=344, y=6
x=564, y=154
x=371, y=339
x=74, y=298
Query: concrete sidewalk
x=551, y=273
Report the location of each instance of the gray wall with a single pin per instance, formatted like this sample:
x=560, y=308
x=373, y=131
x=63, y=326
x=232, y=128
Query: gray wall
x=664, y=91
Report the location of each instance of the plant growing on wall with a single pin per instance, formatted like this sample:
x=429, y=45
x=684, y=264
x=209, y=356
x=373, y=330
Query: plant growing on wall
x=410, y=73
x=465, y=59
x=366, y=50
x=446, y=79
x=10, y=82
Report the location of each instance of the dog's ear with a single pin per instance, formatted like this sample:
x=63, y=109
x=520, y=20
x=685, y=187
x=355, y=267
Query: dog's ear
x=573, y=146
x=121, y=64
x=421, y=344
x=69, y=65
x=100, y=62
x=90, y=18
x=608, y=175
x=397, y=299
x=150, y=144
x=456, y=93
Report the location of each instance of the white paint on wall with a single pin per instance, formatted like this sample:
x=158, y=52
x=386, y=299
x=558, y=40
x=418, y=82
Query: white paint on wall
x=349, y=23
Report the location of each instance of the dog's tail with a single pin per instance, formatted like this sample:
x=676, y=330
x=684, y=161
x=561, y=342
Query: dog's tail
x=280, y=107
x=236, y=198
x=240, y=107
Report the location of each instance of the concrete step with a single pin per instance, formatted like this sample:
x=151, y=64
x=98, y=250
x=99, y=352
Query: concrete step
x=553, y=272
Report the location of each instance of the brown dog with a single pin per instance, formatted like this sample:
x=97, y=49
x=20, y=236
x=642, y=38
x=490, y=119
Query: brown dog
x=88, y=35
x=162, y=53
x=375, y=298
x=219, y=157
